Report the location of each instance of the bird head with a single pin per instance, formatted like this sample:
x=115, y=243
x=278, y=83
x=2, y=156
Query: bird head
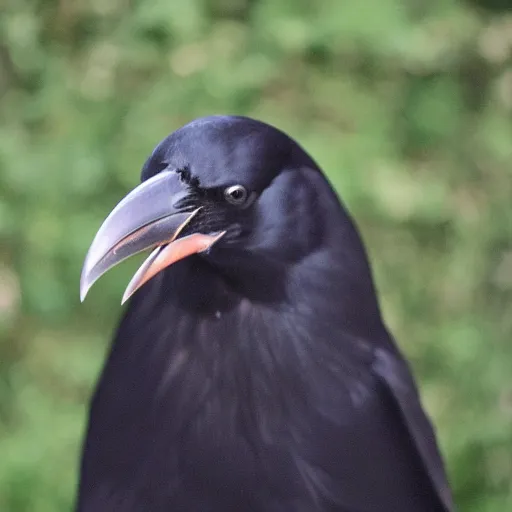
x=239, y=194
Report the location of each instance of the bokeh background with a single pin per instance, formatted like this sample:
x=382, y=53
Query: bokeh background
x=407, y=105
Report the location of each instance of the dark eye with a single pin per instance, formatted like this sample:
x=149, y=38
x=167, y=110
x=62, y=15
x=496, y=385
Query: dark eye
x=236, y=194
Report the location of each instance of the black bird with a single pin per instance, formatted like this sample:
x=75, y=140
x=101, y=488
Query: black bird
x=252, y=371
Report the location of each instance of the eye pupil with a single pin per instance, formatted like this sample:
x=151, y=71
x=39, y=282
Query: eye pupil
x=236, y=194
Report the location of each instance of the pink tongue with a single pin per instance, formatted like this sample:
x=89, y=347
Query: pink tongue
x=166, y=255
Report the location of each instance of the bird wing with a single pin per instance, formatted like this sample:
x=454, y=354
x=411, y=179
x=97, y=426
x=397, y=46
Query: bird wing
x=373, y=447
x=397, y=379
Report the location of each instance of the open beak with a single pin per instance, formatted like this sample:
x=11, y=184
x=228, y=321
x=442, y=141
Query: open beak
x=149, y=217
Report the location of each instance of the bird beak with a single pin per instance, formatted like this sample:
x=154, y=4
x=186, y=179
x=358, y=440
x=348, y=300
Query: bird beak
x=149, y=217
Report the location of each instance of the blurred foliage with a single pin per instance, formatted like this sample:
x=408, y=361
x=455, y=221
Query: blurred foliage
x=407, y=105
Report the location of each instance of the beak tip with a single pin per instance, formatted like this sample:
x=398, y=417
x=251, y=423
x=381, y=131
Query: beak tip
x=85, y=282
x=132, y=287
x=84, y=289
x=126, y=296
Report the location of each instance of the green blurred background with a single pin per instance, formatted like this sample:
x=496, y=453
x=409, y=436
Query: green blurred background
x=407, y=105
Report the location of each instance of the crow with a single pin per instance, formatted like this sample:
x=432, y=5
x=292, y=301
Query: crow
x=252, y=370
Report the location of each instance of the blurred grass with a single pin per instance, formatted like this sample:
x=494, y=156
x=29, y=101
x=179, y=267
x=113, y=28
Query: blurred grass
x=406, y=104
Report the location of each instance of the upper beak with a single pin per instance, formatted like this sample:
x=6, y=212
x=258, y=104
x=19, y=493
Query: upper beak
x=149, y=216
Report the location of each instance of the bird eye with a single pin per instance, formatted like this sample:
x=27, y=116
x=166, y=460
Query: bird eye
x=236, y=194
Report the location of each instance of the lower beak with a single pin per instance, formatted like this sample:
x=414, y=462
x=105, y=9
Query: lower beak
x=149, y=217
